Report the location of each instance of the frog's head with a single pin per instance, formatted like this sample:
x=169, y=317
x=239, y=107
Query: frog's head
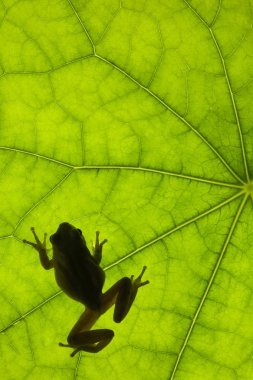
x=67, y=237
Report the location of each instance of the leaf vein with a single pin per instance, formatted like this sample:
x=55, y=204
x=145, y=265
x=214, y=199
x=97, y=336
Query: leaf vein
x=209, y=285
x=228, y=81
x=163, y=172
x=177, y=228
x=123, y=167
x=82, y=25
x=42, y=199
x=177, y=115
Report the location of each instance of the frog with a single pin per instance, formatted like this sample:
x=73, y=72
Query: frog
x=79, y=275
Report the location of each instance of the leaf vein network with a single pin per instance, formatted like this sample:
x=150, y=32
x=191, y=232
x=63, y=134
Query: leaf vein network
x=178, y=116
x=228, y=81
x=209, y=285
x=203, y=138
x=122, y=167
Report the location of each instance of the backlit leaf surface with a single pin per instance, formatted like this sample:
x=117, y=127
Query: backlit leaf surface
x=133, y=118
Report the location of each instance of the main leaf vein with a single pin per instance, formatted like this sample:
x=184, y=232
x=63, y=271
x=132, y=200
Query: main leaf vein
x=123, y=167
x=228, y=81
x=177, y=115
x=203, y=138
x=209, y=285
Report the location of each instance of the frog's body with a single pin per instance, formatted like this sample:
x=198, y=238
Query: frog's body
x=79, y=275
x=77, y=272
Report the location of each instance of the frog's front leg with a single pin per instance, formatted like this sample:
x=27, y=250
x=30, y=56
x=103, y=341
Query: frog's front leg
x=81, y=338
x=41, y=248
x=97, y=248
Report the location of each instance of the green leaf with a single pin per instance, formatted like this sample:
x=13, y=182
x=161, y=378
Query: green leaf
x=133, y=118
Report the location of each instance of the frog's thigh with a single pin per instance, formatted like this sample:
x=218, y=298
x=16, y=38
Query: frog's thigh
x=87, y=319
x=120, y=295
x=90, y=341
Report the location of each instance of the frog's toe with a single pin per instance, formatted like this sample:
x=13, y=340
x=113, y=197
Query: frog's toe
x=138, y=283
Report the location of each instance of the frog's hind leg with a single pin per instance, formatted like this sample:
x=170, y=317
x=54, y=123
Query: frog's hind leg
x=82, y=338
x=122, y=294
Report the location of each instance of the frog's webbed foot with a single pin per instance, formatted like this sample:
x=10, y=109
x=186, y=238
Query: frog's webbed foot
x=89, y=341
x=137, y=283
x=41, y=248
x=38, y=245
x=97, y=247
x=68, y=345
